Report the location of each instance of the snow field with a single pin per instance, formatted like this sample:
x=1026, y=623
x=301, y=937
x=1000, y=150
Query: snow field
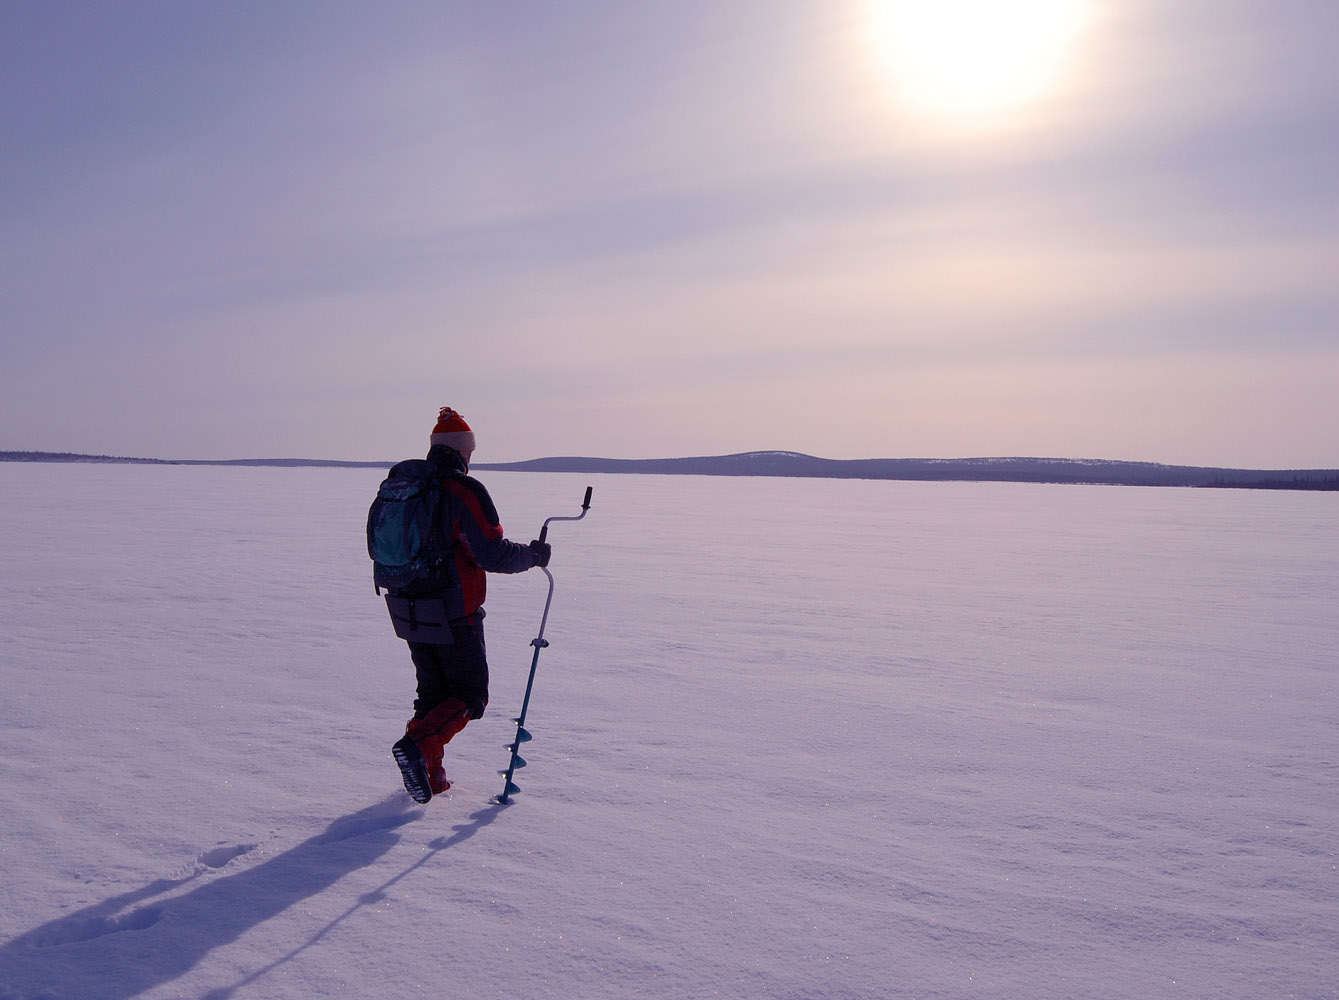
x=793, y=738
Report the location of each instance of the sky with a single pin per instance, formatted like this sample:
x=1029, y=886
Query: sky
x=1087, y=229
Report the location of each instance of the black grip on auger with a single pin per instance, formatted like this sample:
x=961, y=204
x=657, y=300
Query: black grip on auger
x=585, y=504
x=544, y=531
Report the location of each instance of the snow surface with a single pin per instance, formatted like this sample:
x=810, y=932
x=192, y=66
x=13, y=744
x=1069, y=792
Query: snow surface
x=793, y=738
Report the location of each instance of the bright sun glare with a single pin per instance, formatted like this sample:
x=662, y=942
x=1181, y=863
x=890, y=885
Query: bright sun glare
x=971, y=57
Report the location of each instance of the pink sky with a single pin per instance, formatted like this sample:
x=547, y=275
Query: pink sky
x=636, y=230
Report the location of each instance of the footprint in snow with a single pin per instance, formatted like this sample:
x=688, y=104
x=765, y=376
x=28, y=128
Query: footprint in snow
x=219, y=856
x=73, y=931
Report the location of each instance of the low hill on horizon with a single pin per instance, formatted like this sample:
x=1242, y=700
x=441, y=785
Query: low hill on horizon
x=1020, y=470
x=795, y=464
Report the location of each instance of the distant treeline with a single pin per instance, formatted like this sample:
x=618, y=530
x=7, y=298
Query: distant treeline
x=66, y=456
x=1295, y=483
x=1099, y=472
x=62, y=456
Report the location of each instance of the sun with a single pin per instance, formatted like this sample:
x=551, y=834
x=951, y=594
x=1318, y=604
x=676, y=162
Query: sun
x=976, y=57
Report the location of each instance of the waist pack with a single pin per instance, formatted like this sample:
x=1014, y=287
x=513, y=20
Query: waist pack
x=420, y=619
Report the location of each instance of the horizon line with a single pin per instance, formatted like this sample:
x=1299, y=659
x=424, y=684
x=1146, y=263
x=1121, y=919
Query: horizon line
x=798, y=465
x=37, y=455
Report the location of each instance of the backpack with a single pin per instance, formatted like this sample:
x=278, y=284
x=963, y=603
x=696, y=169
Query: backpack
x=409, y=550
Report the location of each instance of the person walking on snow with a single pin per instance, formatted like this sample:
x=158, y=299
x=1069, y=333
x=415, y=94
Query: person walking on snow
x=452, y=673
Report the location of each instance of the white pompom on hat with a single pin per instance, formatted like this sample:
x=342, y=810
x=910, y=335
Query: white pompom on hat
x=452, y=432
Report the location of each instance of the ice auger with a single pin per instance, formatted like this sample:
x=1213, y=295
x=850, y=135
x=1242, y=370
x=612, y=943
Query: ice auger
x=539, y=642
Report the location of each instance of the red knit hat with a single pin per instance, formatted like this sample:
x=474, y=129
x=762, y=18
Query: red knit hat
x=453, y=432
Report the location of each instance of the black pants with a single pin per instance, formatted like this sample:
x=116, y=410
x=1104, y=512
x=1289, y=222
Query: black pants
x=459, y=670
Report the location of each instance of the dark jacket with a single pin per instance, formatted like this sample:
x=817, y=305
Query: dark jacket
x=470, y=522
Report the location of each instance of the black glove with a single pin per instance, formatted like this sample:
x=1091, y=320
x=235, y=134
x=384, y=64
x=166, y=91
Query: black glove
x=541, y=552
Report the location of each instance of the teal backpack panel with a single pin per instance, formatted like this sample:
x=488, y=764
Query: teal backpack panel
x=404, y=536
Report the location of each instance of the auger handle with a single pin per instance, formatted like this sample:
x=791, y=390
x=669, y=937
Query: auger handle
x=585, y=506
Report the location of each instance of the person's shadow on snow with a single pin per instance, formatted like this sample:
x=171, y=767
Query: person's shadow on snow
x=133, y=942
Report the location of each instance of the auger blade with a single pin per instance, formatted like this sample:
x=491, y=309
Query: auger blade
x=523, y=734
